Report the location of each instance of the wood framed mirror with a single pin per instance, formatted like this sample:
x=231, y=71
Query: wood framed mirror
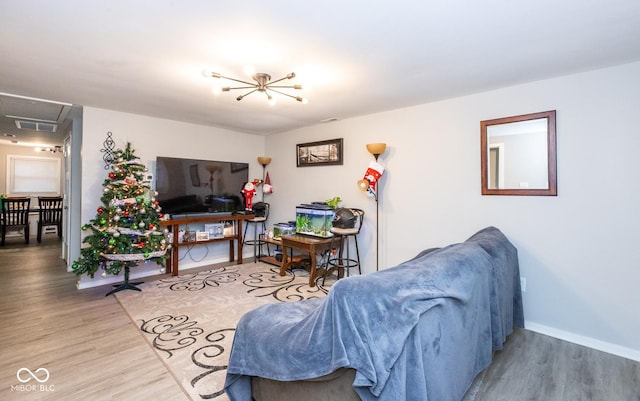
x=518, y=155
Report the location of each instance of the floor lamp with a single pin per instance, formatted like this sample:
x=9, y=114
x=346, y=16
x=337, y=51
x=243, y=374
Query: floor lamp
x=370, y=180
x=264, y=161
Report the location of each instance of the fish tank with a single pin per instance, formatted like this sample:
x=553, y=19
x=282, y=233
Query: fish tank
x=281, y=229
x=314, y=219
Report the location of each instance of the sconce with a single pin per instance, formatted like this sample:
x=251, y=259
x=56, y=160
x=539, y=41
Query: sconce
x=369, y=184
x=264, y=161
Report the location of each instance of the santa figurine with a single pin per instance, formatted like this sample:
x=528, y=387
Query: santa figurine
x=249, y=190
x=266, y=186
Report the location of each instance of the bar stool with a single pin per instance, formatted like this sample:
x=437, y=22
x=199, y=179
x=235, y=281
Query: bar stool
x=342, y=233
x=260, y=211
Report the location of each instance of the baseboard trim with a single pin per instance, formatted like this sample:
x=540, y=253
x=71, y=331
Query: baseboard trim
x=585, y=341
x=142, y=272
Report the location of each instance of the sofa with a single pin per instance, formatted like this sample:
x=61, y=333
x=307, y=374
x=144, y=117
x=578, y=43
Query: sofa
x=421, y=330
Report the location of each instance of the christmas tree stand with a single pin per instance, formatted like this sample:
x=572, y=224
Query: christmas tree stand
x=126, y=285
x=134, y=257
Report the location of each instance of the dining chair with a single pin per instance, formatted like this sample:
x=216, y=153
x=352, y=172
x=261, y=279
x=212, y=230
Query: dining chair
x=15, y=216
x=50, y=214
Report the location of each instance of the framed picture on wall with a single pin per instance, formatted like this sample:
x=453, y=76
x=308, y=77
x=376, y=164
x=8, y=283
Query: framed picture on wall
x=321, y=153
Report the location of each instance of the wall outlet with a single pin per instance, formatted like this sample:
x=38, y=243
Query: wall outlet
x=523, y=284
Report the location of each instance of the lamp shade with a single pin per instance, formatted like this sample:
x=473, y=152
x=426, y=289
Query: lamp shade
x=376, y=148
x=264, y=160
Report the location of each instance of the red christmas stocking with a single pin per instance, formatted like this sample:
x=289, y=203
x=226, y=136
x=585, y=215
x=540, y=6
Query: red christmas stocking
x=372, y=175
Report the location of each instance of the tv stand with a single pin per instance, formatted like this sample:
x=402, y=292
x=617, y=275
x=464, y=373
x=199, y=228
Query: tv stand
x=174, y=227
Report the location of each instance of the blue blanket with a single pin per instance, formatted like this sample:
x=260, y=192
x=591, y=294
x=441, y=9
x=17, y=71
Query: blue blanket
x=421, y=330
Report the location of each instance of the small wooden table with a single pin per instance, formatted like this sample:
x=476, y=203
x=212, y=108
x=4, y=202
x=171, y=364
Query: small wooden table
x=304, y=243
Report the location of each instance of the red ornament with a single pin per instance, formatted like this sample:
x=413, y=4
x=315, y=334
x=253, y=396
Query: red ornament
x=141, y=245
x=100, y=210
x=112, y=176
x=151, y=226
x=161, y=215
x=126, y=212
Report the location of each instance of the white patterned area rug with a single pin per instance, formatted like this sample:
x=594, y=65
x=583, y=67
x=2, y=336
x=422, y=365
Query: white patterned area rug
x=190, y=320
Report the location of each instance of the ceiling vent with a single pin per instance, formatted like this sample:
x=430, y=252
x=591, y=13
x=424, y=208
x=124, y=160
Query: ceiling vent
x=36, y=126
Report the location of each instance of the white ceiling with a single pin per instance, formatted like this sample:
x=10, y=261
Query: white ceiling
x=356, y=57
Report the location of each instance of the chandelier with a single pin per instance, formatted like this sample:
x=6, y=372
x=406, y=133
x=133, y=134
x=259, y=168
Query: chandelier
x=262, y=84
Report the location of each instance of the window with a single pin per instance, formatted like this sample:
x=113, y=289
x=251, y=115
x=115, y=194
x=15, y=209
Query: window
x=30, y=175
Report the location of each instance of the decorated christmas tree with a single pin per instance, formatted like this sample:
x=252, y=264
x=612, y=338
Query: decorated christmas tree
x=126, y=229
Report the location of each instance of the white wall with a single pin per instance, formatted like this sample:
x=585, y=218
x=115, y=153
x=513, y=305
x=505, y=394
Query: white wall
x=578, y=251
x=152, y=137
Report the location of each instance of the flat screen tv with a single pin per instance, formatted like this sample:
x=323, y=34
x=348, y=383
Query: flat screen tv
x=192, y=186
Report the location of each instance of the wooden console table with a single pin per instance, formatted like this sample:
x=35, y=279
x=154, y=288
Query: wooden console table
x=305, y=243
x=174, y=224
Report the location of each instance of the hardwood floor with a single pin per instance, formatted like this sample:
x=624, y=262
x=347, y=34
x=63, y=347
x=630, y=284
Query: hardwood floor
x=90, y=347
x=533, y=366
x=93, y=351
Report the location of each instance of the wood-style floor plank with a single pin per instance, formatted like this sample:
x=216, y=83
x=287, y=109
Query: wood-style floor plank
x=535, y=367
x=85, y=340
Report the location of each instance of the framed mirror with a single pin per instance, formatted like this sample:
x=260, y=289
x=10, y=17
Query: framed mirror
x=518, y=155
